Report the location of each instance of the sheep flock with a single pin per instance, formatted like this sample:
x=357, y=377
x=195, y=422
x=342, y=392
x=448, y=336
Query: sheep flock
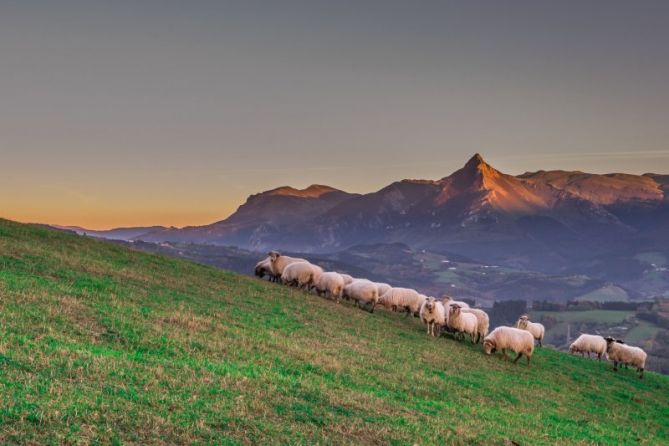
x=441, y=316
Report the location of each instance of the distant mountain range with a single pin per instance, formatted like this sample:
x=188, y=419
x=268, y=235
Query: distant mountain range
x=555, y=222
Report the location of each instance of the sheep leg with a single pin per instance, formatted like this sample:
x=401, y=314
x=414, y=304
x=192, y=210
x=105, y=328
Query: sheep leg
x=517, y=358
x=640, y=373
x=599, y=356
x=528, y=359
x=506, y=358
x=615, y=366
x=542, y=346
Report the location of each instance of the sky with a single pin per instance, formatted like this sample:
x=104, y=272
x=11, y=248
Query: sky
x=126, y=113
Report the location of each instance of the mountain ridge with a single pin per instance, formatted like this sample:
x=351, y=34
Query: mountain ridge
x=544, y=220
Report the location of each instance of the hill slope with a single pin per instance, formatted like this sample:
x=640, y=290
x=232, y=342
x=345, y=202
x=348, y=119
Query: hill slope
x=102, y=343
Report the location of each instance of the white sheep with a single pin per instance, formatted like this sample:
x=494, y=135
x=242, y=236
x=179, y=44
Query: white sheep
x=535, y=328
x=447, y=300
x=462, y=322
x=347, y=278
x=330, y=283
x=300, y=274
x=621, y=353
x=433, y=313
x=402, y=299
x=362, y=292
x=515, y=339
x=483, y=322
x=383, y=287
x=587, y=343
x=279, y=262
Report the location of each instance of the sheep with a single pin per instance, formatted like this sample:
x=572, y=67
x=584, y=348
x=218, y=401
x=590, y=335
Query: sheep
x=447, y=300
x=383, y=287
x=502, y=338
x=300, y=274
x=347, y=278
x=402, y=299
x=433, y=313
x=587, y=343
x=279, y=262
x=264, y=268
x=626, y=354
x=483, y=322
x=331, y=283
x=535, y=328
x=463, y=322
x=363, y=292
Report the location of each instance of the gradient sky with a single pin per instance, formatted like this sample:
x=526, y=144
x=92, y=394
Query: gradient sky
x=172, y=112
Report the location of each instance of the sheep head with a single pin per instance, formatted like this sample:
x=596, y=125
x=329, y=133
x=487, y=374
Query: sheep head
x=455, y=310
x=273, y=255
x=609, y=343
x=489, y=346
x=522, y=322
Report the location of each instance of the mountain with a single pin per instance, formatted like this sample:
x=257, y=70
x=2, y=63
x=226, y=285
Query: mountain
x=555, y=222
x=106, y=345
x=113, y=234
x=264, y=218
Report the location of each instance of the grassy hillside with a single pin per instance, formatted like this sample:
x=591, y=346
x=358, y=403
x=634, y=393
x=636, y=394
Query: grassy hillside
x=101, y=344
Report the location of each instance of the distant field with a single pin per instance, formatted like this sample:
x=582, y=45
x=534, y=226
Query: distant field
x=609, y=293
x=604, y=316
x=641, y=332
x=100, y=344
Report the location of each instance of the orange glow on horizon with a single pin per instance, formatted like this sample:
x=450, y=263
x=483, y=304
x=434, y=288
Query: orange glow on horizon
x=101, y=221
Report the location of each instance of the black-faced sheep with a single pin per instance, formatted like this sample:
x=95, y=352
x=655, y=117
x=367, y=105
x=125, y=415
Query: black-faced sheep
x=264, y=268
x=626, y=354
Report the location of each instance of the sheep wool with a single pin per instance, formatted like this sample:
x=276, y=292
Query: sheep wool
x=330, y=284
x=587, y=343
x=300, y=274
x=433, y=313
x=279, y=262
x=626, y=354
x=402, y=299
x=515, y=339
x=535, y=328
x=483, y=322
x=463, y=323
x=363, y=293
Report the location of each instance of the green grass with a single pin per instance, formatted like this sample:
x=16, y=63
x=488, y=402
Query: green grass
x=104, y=345
x=643, y=331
